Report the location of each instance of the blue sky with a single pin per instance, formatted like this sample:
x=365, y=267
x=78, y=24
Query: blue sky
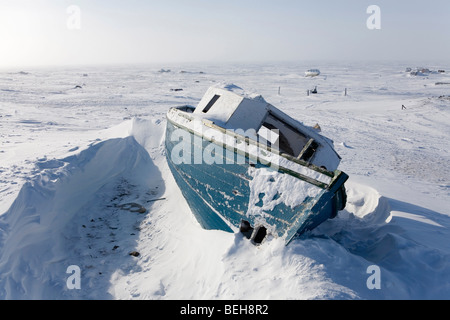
x=35, y=32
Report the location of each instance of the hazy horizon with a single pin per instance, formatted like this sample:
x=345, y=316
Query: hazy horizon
x=37, y=33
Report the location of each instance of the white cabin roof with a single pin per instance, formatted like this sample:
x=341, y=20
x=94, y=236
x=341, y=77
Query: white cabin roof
x=230, y=107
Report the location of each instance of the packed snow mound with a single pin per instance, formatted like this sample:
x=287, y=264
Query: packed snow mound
x=43, y=229
x=85, y=210
x=373, y=227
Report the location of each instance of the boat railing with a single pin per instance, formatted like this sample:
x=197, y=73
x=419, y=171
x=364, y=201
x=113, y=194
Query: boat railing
x=311, y=144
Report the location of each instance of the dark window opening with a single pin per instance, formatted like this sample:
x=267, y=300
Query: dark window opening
x=291, y=141
x=309, y=150
x=211, y=103
x=284, y=145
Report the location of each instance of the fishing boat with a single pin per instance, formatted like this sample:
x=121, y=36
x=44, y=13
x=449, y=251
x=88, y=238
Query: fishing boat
x=245, y=166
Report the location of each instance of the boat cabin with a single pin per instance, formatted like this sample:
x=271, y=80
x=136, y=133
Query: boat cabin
x=231, y=109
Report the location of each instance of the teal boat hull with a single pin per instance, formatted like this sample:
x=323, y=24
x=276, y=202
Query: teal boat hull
x=219, y=194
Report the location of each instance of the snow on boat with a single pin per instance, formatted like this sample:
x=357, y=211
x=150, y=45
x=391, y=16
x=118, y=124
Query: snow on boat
x=312, y=73
x=243, y=165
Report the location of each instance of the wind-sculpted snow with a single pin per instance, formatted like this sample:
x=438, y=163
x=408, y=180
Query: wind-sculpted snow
x=72, y=214
x=69, y=216
x=84, y=182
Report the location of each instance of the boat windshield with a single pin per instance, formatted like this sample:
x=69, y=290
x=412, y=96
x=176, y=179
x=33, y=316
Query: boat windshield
x=290, y=140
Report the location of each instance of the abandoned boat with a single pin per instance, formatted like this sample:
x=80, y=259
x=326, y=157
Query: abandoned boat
x=243, y=165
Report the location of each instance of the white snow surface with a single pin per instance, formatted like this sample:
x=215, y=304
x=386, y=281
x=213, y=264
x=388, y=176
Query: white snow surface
x=277, y=188
x=81, y=149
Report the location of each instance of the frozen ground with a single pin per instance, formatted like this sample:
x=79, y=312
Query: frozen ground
x=81, y=153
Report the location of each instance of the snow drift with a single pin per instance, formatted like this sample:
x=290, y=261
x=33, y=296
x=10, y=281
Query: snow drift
x=72, y=193
x=72, y=213
x=43, y=229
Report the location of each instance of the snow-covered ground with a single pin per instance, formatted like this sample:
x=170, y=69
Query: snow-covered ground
x=81, y=156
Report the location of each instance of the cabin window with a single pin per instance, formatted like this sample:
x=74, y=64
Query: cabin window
x=269, y=134
x=291, y=141
x=211, y=103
